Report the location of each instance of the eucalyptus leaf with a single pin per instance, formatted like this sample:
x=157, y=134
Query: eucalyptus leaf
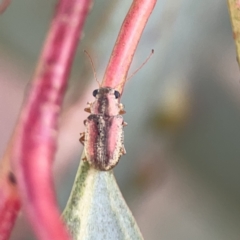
x=96, y=208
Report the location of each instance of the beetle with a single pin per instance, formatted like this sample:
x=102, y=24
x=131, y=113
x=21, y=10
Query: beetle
x=103, y=137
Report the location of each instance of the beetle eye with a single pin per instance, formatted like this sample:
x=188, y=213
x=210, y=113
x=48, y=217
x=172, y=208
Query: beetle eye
x=117, y=94
x=95, y=92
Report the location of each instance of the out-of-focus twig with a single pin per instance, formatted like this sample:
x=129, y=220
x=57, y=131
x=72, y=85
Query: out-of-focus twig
x=4, y=5
x=126, y=44
x=234, y=11
x=35, y=141
x=9, y=198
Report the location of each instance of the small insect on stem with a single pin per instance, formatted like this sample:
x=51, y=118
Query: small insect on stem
x=103, y=137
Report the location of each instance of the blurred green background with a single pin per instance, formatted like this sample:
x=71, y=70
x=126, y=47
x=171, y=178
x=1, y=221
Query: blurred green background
x=181, y=174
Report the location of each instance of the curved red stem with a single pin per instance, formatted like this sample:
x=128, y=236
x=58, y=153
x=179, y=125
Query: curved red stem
x=9, y=197
x=4, y=5
x=9, y=207
x=35, y=139
x=126, y=44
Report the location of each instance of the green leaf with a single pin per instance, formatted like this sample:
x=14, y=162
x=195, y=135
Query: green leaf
x=96, y=208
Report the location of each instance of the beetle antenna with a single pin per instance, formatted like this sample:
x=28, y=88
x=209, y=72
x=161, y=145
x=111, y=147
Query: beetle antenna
x=93, y=68
x=150, y=55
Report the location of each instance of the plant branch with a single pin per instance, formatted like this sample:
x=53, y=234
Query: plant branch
x=4, y=5
x=126, y=44
x=35, y=142
x=9, y=197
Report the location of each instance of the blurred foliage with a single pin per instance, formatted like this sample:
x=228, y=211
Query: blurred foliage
x=234, y=12
x=180, y=176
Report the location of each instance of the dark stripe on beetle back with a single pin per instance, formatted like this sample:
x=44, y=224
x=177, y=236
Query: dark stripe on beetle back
x=103, y=104
x=95, y=141
x=102, y=141
x=99, y=159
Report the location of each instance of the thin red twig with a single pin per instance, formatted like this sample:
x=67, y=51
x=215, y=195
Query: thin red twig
x=4, y=5
x=35, y=142
x=126, y=44
x=9, y=207
x=9, y=197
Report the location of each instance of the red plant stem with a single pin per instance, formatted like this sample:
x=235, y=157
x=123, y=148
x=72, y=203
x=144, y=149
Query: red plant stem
x=9, y=197
x=126, y=44
x=35, y=142
x=4, y=5
x=9, y=207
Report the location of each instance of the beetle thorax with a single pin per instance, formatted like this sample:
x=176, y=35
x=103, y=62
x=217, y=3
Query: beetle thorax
x=105, y=103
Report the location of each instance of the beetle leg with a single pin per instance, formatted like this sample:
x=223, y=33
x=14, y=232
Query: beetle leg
x=123, y=150
x=88, y=109
x=82, y=138
x=124, y=124
x=121, y=109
